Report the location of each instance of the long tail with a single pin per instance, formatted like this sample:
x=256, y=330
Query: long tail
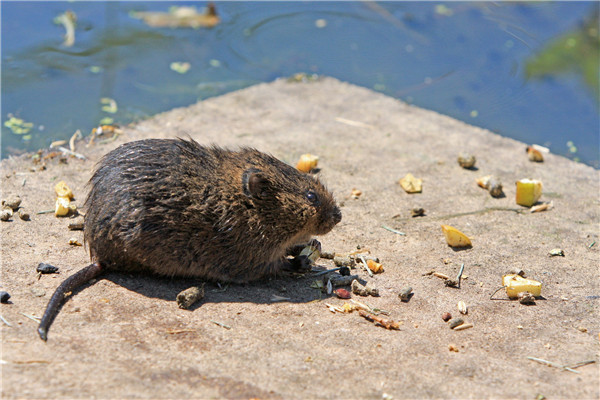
x=71, y=283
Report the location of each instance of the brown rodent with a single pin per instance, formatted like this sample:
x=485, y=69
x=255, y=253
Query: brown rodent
x=175, y=208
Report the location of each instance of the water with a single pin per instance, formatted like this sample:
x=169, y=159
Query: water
x=524, y=70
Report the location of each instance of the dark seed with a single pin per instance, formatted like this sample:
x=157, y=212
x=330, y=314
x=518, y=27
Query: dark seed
x=46, y=268
x=4, y=296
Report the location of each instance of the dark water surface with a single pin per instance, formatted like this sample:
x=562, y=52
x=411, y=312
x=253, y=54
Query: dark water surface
x=526, y=70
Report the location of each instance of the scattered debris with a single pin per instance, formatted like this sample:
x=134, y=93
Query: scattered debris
x=275, y=298
x=439, y=275
x=355, y=193
x=455, y=238
x=5, y=321
x=12, y=202
x=342, y=280
x=24, y=215
x=384, y=322
x=417, y=212
x=525, y=298
x=189, y=296
x=405, y=294
x=311, y=252
x=446, y=316
x=109, y=105
x=31, y=317
x=462, y=307
x=563, y=367
x=342, y=293
x=17, y=125
x=517, y=271
x=180, y=17
x=410, y=184
x=303, y=77
x=328, y=255
x=307, y=162
x=515, y=284
x=529, y=192
x=74, y=137
x=77, y=225
x=463, y=327
x=6, y=214
x=387, y=228
x=75, y=242
x=453, y=323
x=221, y=324
x=343, y=261
x=63, y=206
x=534, y=154
x=541, y=207
x=556, y=252
x=366, y=290
x=177, y=331
x=375, y=267
x=467, y=161
x=4, y=296
x=491, y=184
x=180, y=67
x=452, y=347
x=44, y=268
x=68, y=20
x=366, y=266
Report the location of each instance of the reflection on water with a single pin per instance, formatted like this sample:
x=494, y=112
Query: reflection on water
x=576, y=51
x=525, y=70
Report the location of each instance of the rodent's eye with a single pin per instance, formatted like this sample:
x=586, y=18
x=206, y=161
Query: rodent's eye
x=312, y=197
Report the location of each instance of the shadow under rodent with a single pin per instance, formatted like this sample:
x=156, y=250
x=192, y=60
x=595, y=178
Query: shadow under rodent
x=174, y=208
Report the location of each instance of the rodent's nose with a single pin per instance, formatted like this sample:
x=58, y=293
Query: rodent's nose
x=337, y=215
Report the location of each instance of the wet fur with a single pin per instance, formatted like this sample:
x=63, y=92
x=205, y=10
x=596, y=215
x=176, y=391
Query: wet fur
x=176, y=208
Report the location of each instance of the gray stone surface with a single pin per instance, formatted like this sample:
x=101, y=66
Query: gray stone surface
x=125, y=337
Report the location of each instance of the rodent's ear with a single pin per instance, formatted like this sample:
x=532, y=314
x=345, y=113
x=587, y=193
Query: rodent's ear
x=254, y=183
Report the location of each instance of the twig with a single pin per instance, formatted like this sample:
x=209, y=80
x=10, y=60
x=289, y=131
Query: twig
x=482, y=211
x=386, y=323
x=496, y=291
x=459, y=276
x=221, y=324
x=5, y=321
x=44, y=212
x=552, y=364
x=581, y=364
x=387, y=228
x=76, y=155
x=327, y=271
x=366, y=266
x=31, y=317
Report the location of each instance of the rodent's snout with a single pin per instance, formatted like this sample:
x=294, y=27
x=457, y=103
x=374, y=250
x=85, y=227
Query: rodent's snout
x=336, y=215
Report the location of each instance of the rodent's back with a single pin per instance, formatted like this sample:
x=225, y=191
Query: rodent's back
x=176, y=208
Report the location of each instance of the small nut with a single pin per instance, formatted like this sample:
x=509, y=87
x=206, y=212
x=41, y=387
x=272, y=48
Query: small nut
x=4, y=296
x=526, y=298
x=462, y=307
x=24, y=215
x=417, y=212
x=455, y=322
x=6, y=214
x=405, y=294
x=466, y=160
x=12, y=202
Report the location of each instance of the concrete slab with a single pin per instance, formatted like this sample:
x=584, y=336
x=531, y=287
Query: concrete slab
x=124, y=337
